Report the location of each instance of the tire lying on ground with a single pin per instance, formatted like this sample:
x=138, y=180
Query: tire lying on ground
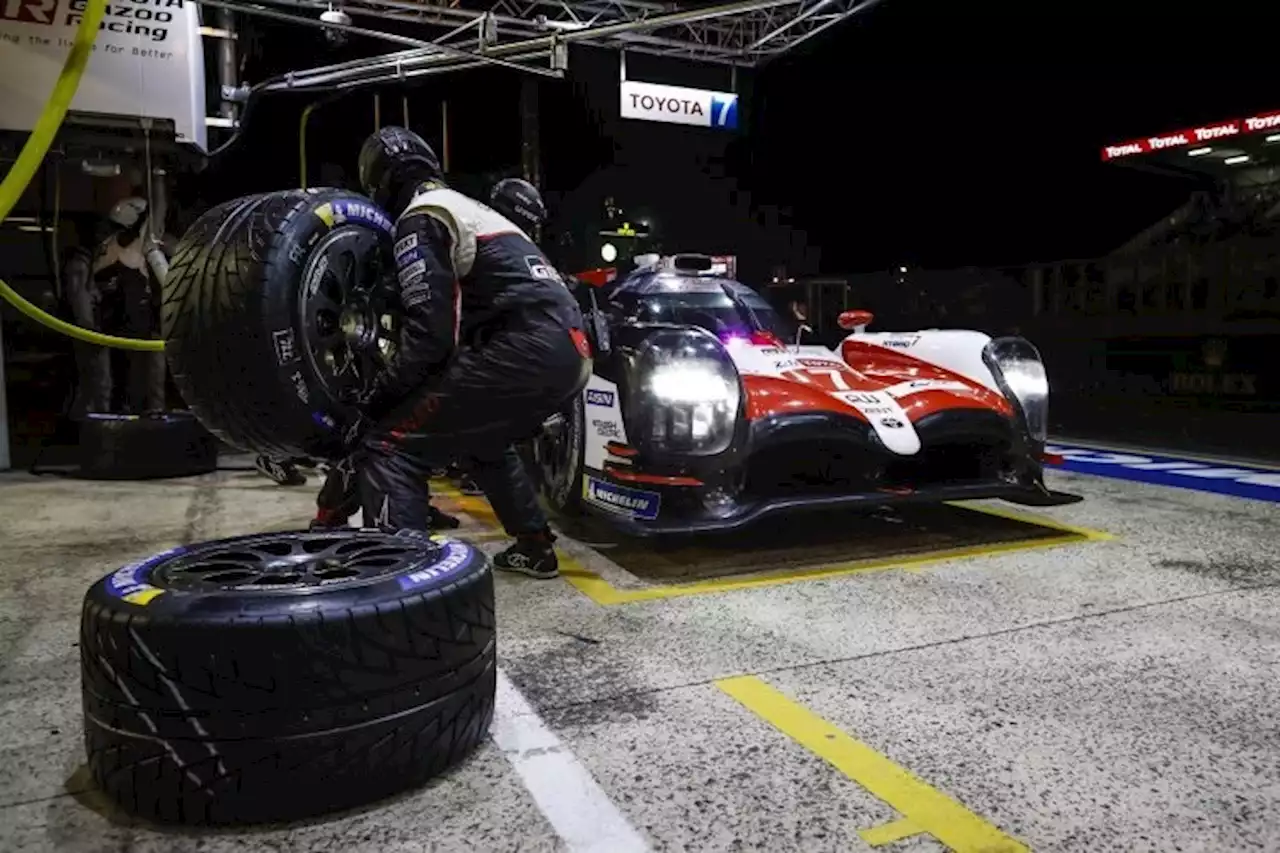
x=278, y=676
x=277, y=309
x=145, y=447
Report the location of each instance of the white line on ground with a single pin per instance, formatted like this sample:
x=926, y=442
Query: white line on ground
x=1209, y=458
x=581, y=813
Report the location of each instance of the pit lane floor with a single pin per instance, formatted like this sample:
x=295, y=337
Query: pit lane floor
x=1075, y=692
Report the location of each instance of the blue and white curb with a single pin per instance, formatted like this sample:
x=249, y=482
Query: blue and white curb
x=1242, y=481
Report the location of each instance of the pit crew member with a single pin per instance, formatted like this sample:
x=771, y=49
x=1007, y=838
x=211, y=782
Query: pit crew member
x=519, y=201
x=467, y=275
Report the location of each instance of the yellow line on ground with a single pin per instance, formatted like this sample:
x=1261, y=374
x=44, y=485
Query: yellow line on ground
x=628, y=596
x=1038, y=520
x=923, y=807
x=602, y=592
x=887, y=833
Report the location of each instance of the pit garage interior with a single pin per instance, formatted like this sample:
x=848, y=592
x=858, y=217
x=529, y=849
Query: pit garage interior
x=967, y=676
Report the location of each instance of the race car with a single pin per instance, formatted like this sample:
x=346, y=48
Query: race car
x=705, y=412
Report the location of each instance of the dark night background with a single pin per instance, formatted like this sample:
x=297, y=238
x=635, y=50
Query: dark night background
x=922, y=133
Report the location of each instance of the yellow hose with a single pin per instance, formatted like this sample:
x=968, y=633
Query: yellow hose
x=34, y=151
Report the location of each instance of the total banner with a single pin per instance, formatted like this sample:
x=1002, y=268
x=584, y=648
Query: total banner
x=148, y=61
x=678, y=105
x=1203, y=135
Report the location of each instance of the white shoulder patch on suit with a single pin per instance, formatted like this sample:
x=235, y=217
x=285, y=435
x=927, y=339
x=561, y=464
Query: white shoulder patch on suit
x=466, y=219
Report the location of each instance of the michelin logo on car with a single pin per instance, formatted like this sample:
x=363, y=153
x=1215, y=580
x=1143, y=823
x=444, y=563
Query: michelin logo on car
x=632, y=502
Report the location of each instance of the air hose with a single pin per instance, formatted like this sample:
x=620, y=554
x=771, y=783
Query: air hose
x=33, y=153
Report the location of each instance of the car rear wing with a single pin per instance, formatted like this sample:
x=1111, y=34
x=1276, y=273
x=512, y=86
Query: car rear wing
x=598, y=277
x=691, y=263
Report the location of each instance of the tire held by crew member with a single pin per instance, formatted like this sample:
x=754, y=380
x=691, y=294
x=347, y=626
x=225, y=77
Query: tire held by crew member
x=278, y=311
x=278, y=676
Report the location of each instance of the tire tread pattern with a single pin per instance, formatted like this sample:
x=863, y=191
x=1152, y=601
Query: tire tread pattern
x=218, y=325
x=244, y=718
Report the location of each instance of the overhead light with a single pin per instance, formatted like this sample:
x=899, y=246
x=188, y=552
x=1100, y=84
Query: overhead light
x=1275, y=137
x=609, y=252
x=1199, y=152
x=37, y=229
x=335, y=16
x=902, y=269
x=1233, y=161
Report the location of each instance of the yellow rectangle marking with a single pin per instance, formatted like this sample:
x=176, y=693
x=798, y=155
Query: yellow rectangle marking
x=887, y=833
x=1038, y=520
x=921, y=805
x=604, y=593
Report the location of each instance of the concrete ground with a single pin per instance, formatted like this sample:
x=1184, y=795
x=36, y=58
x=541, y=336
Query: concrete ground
x=1076, y=692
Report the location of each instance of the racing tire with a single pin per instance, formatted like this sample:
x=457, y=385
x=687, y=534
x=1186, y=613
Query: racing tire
x=558, y=460
x=278, y=676
x=145, y=447
x=278, y=310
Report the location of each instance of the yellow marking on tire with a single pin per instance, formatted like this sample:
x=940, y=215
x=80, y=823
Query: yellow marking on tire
x=143, y=597
x=922, y=807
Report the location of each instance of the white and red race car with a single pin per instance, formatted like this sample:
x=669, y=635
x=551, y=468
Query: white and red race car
x=704, y=411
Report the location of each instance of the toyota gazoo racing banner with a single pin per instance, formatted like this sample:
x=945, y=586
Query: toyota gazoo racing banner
x=147, y=61
x=1203, y=135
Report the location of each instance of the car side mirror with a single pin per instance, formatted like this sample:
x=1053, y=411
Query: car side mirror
x=852, y=320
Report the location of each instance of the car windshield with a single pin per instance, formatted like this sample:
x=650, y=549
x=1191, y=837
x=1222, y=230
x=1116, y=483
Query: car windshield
x=717, y=312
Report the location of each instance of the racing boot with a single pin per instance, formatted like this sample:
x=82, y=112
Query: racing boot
x=281, y=473
x=532, y=554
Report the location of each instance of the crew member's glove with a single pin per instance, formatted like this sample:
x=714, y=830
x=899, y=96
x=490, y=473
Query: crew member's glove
x=355, y=433
x=373, y=401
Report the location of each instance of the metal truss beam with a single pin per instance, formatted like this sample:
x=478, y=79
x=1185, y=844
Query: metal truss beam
x=743, y=33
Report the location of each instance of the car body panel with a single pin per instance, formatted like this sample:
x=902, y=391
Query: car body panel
x=957, y=350
x=603, y=421
x=887, y=388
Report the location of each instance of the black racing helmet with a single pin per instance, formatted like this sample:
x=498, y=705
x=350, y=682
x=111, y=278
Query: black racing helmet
x=393, y=161
x=519, y=201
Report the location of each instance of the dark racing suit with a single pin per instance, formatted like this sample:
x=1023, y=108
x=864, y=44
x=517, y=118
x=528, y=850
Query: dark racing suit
x=491, y=345
x=113, y=290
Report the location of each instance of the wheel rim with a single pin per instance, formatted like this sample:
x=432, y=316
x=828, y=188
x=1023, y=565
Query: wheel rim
x=350, y=311
x=291, y=561
x=556, y=453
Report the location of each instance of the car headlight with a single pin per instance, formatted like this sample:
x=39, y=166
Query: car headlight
x=684, y=393
x=1015, y=363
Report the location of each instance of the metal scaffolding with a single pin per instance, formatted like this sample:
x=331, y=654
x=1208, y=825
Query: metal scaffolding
x=469, y=32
